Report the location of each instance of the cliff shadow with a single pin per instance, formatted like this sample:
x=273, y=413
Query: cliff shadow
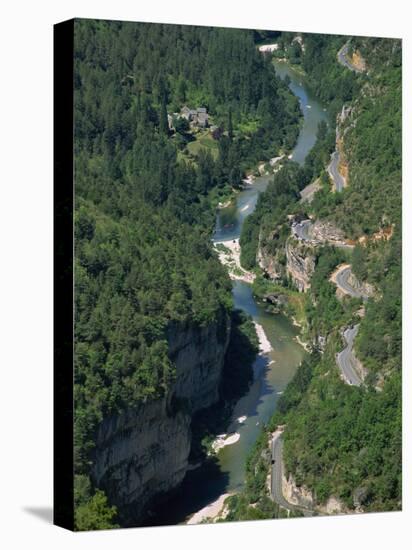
x=237, y=377
x=200, y=487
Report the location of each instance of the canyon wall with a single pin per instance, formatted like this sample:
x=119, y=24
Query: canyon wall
x=142, y=453
x=271, y=257
x=300, y=263
x=295, y=259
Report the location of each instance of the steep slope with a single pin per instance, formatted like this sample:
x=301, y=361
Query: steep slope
x=342, y=443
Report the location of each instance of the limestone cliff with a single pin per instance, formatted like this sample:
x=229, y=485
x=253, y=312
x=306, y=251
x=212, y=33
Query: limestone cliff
x=303, y=497
x=299, y=496
x=364, y=288
x=142, y=453
x=300, y=263
x=295, y=259
x=272, y=265
x=271, y=256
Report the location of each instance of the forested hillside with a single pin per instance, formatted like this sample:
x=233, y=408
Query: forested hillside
x=144, y=216
x=343, y=441
x=361, y=431
x=370, y=207
x=147, y=183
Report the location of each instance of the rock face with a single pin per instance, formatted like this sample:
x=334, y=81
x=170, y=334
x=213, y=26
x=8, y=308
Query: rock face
x=199, y=356
x=363, y=288
x=307, y=194
x=302, y=496
x=296, y=258
x=271, y=257
x=271, y=265
x=139, y=455
x=300, y=263
x=325, y=232
x=142, y=453
x=333, y=506
x=299, y=496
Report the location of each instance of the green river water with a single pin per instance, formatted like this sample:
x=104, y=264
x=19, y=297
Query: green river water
x=273, y=371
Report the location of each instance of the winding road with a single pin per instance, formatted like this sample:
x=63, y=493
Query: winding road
x=341, y=279
x=333, y=171
x=346, y=360
x=343, y=59
x=277, y=475
x=303, y=232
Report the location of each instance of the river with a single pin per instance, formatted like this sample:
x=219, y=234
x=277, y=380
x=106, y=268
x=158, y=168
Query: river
x=274, y=370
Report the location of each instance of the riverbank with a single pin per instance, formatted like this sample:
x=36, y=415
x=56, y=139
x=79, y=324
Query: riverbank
x=226, y=204
x=210, y=512
x=224, y=439
x=229, y=256
x=305, y=345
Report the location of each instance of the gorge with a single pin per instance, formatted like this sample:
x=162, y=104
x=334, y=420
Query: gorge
x=273, y=370
x=171, y=422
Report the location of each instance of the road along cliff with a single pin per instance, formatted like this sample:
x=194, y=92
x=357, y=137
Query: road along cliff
x=278, y=480
x=351, y=368
x=348, y=284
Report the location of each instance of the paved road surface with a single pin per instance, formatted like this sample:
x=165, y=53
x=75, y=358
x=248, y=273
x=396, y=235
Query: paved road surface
x=276, y=478
x=342, y=282
x=346, y=359
x=343, y=60
x=301, y=230
x=337, y=178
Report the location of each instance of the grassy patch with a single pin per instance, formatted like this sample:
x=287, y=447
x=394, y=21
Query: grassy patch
x=249, y=126
x=203, y=140
x=182, y=157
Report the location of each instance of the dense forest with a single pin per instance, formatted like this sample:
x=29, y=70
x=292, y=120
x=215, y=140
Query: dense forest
x=144, y=206
x=144, y=214
x=340, y=440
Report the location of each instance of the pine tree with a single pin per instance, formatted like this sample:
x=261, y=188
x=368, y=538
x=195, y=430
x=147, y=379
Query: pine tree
x=230, y=126
x=163, y=123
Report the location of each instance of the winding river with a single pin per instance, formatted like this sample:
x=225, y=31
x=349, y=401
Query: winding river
x=274, y=370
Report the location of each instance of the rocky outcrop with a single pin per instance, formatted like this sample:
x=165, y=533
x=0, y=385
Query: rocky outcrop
x=318, y=232
x=303, y=497
x=298, y=496
x=296, y=259
x=333, y=506
x=300, y=263
x=142, y=454
x=307, y=194
x=364, y=288
x=277, y=300
x=271, y=256
x=326, y=232
x=358, y=62
x=271, y=265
